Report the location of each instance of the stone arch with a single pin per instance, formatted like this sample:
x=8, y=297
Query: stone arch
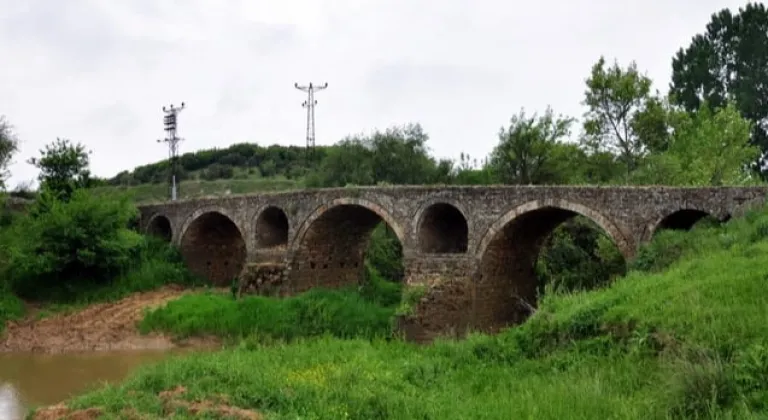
x=505, y=285
x=329, y=247
x=213, y=246
x=681, y=219
x=160, y=225
x=271, y=227
x=442, y=228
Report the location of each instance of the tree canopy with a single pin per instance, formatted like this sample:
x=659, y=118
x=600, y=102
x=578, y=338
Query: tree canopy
x=726, y=63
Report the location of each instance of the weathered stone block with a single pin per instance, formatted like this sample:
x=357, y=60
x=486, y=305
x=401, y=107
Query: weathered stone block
x=261, y=279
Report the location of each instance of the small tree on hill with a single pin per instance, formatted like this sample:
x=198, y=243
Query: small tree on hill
x=63, y=168
x=9, y=145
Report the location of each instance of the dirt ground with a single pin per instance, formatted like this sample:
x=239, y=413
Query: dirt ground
x=100, y=327
x=171, y=399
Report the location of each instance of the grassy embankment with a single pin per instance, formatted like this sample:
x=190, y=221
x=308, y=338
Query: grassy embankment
x=201, y=188
x=685, y=334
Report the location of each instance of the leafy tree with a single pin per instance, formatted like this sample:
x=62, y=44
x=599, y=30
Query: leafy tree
x=80, y=242
x=707, y=148
x=348, y=163
x=397, y=155
x=729, y=61
x=218, y=171
x=400, y=155
x=63, y=168
x=622, y=117
x=9, y=145
x=524, y=152
x=578, y=255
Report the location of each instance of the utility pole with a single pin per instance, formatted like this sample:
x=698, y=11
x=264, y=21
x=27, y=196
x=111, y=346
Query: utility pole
x=170, y=125
x=310, y=105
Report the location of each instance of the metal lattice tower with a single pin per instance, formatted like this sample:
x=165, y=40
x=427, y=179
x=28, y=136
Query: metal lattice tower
x=170, y=125
x=310, y=105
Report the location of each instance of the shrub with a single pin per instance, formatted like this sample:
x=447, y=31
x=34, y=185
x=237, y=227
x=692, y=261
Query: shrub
x=63, y=249
x=11, y=307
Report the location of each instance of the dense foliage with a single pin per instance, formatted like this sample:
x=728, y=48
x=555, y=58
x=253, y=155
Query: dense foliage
x=71, y=246
x=9, y=145
x=728, y=62
x=258, y=161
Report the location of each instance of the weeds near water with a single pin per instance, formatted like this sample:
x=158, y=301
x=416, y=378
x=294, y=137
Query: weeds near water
x=340, y=313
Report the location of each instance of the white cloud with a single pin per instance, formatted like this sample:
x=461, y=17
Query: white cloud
x=99, y=71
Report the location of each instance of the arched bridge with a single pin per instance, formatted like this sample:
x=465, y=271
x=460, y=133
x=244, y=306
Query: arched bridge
x=473, y=246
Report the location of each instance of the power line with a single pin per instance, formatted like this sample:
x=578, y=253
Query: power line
x=170, y=125
x=310, y=105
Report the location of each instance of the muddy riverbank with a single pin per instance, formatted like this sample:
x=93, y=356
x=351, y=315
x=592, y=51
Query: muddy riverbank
x=47, y=359
x=100, y=327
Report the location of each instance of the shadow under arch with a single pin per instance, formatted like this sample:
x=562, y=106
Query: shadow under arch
x=160, y=226
x=213, y=246
x=506, y=283
x=330, y=245
x=271, y=227
x=442, y=228
x=682, y=219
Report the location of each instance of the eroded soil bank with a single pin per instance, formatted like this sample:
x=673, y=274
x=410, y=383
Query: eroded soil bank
x=104, y=327
x=100, y=327
x=171, y=400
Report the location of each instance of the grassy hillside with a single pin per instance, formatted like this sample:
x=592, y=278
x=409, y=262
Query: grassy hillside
x=143, y=193
x=238, y=169
x=684, y=335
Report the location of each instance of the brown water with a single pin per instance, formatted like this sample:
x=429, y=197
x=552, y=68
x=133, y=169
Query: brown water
x=28, y=379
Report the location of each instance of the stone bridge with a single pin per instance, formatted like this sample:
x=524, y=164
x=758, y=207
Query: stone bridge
x=473, y=248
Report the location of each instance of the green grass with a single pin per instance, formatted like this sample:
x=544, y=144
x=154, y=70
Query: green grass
x=352, y=312
x=341, y=313
x=680, y=337
x=200, y=188
x=11, y=307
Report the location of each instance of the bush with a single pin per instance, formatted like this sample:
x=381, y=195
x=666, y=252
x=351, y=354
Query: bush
x=11, y=307
x=64, y=250
x=217, y=171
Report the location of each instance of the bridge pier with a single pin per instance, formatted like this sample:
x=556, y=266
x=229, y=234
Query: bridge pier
x=445, y=306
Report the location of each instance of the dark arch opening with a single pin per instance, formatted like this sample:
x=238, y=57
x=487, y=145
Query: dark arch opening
x=543, y=248
x=443, y=230
x=213, y=248
x=686, y=219
x=338, y=246
x=160, y=226
x=271, y=228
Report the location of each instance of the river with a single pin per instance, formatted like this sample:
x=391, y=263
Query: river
x=30, y=379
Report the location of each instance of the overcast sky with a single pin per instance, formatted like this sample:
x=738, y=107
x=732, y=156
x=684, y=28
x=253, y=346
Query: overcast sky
x=99, y=71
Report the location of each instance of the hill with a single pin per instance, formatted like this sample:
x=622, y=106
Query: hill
x=238, y=169
x=683, y=335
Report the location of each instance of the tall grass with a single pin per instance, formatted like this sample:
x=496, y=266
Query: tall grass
x=155, y=264
x=345, y=313
x=682, y=337
x=11, y=307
